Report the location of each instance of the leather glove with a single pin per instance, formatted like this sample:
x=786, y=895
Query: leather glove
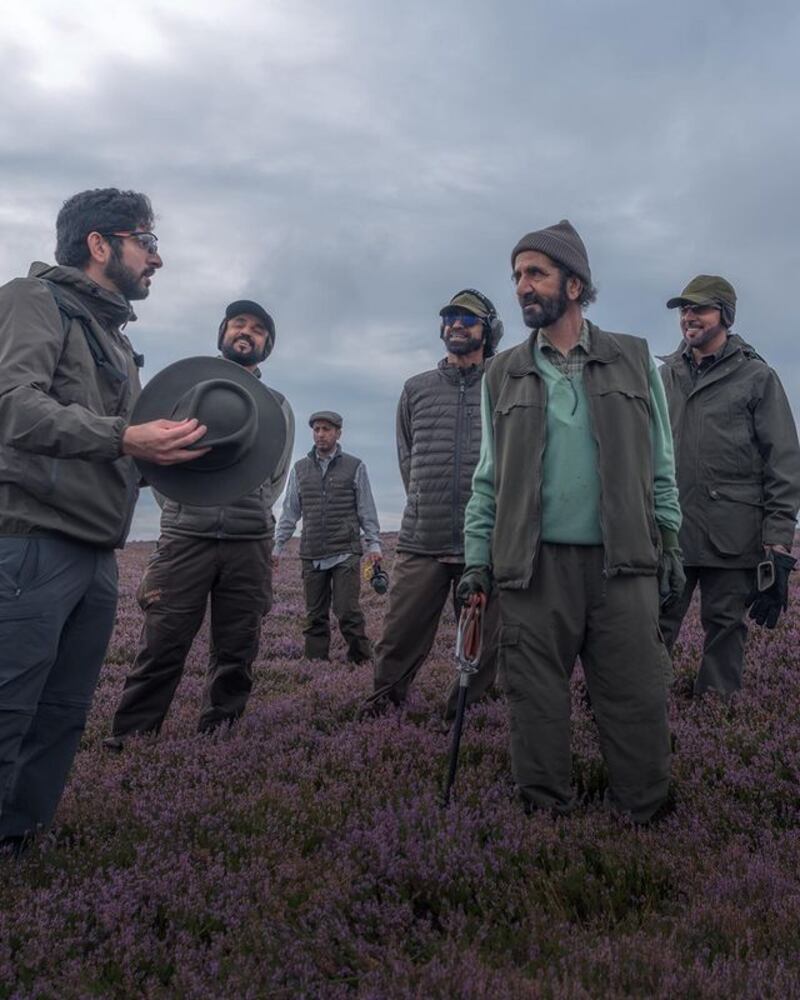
x=768, y=604
x=671, y=578
x=475, y=580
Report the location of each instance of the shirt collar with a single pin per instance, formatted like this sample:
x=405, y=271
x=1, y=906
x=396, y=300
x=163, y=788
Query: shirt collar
x=584, y=341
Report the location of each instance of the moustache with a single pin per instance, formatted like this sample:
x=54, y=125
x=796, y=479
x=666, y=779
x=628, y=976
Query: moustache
x=530, y=299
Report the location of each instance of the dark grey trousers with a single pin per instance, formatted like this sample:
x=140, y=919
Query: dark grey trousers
x=722, y=606
x=571, y=610
x=183, y=573
x=419, y=592
x=58, y=599
x=339, y=586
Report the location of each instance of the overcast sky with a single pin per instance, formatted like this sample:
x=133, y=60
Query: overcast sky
x=351, y=165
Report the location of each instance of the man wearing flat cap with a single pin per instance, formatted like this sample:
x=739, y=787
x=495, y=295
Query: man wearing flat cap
x=738, y=468
x=438, y=441
x=218, y=553
x=574, y=517
x=330, y=491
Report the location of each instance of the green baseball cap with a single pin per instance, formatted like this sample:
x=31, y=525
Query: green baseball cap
x=708, y=290
x=467, y=300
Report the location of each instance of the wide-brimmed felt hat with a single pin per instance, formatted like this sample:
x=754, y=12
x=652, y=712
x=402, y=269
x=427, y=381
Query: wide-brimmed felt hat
x=246, y=430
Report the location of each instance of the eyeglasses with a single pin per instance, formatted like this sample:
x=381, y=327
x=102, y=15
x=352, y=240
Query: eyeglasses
x=147, y=241
x=697, y=310
x=465, y=319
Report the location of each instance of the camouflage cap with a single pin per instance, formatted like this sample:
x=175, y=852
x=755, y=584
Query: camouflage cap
x=708, y=290
x=467, y=300
x=331, y=416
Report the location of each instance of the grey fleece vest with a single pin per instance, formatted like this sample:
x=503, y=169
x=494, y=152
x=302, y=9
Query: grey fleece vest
x=330, y=513
x=616, y=379
x=444, y=407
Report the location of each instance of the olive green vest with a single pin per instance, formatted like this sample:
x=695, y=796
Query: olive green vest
x=616, y=381
x=330, y=513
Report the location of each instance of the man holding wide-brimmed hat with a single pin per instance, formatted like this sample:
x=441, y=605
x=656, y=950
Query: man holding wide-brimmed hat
x=216, y=529
x=330, y=491
x=69, y=380
x=738, y=468
x=438, y=442
x=574, y=517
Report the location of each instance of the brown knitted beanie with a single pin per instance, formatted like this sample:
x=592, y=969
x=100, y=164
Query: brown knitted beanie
x=561, y=243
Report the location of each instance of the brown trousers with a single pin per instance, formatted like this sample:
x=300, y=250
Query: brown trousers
x=722, y=606
x=182, y=574
x=420, y=588
x=571, y=610
x=339, y=586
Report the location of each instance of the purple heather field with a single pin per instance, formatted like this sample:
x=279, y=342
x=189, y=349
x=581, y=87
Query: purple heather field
x=305, y=854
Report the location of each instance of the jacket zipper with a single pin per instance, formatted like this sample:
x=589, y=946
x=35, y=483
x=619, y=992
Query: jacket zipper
x=457, y=462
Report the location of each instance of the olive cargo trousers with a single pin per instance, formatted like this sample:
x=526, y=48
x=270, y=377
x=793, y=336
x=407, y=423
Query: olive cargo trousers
x=420, y=588
x=570, y=609
x=182, y=574
x=339, y=586
x=723, y=593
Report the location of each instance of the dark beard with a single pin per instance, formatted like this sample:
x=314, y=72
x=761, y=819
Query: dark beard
x=467, y=347
x=550, y=309
x=252, y=357
x=125, y=279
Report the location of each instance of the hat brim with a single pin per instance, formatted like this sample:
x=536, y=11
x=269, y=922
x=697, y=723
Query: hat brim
x=691, y=300
x=211, y=488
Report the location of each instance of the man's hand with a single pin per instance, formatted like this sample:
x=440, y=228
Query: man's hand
x=671, y=578
x=475, y=580
x=768, y=604
x=372, y=557
x=164, y=442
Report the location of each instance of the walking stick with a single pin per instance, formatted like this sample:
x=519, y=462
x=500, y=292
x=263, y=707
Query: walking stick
x=469, y=643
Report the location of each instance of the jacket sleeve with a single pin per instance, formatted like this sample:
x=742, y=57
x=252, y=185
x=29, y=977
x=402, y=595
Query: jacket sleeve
x=290, y=515
x=479, y=516
x=665, y=488
x=404, y=437
x=776, y=438
x=367, y=514
x=284, y=463
x=32, y=341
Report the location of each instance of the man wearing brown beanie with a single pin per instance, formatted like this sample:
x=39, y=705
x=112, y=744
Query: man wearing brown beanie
x=738, y=467
x=574, y=516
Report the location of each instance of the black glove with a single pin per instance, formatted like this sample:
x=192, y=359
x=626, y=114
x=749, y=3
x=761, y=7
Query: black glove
x=671, y=578
x=475, y=580
x=768, y=604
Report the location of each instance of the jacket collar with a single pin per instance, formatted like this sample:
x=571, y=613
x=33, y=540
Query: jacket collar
x=453, y=373
x=337, y=451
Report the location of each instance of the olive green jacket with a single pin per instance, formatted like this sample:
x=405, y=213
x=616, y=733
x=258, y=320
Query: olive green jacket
x=62, y=416
x=503, y=516
x=737, y=457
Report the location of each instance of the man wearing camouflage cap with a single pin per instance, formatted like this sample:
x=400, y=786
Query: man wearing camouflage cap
x=574, y=516
x=438, y=441
x=738, y=470
x=330, y=491
x=219, y=554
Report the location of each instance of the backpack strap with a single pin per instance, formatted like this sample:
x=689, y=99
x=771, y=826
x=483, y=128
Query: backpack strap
x=70, y=311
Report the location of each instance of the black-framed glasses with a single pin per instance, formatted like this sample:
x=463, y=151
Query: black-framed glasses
x=147, y=241
x=465, y=319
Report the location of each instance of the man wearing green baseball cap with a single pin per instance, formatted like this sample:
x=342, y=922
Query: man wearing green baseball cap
x=738, y=471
